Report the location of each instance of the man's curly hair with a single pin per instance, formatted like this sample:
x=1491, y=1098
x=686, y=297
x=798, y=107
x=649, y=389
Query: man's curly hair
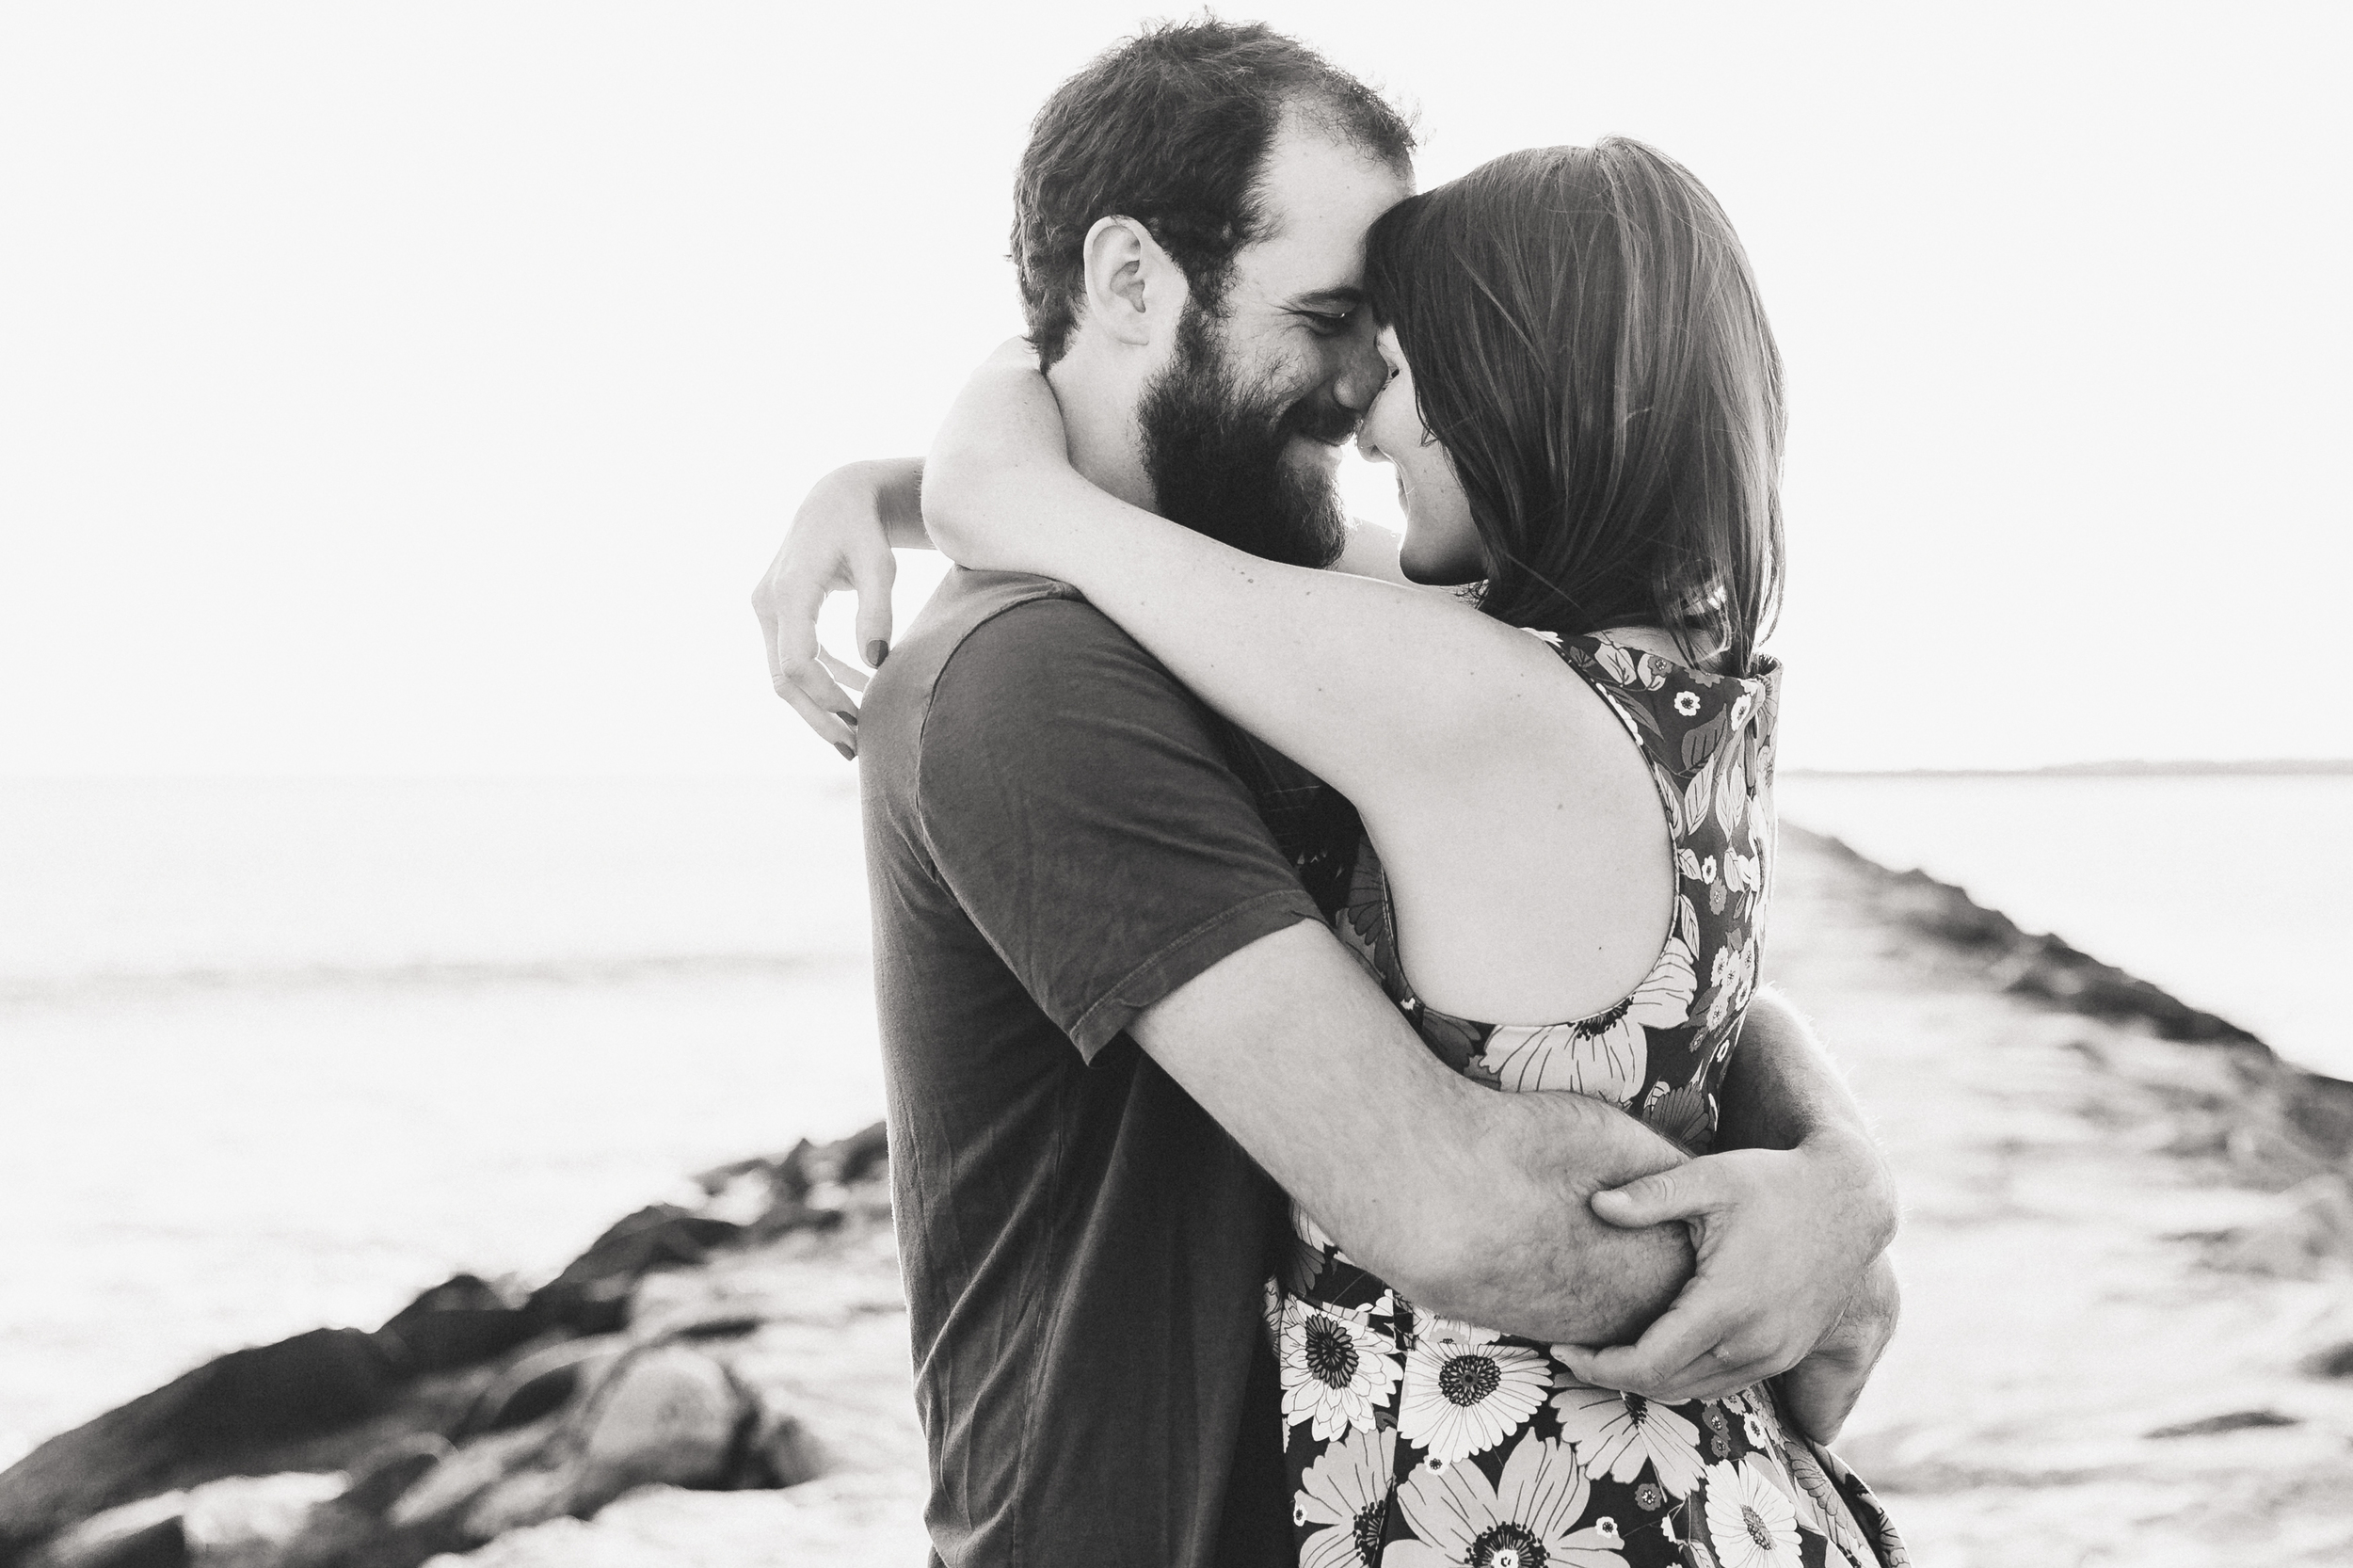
x=1171, y=128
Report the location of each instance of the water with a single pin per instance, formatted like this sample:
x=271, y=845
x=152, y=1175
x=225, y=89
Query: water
x=274, y=1055
x=2228, y=891
x=278, y=1055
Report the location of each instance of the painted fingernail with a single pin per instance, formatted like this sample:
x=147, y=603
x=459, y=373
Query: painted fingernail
x=847, y=716
x=848, y=753
x=876, y=652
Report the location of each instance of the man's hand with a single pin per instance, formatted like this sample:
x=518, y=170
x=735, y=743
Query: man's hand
x=1819, y=1392
x=1783, y=1237
x=839, y=542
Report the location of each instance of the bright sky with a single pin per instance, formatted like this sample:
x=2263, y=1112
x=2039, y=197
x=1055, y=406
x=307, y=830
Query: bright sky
x=418, y=388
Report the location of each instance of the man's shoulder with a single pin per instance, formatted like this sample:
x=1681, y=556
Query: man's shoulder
x=1009, y=638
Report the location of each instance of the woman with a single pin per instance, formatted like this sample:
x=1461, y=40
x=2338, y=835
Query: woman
x=1584, y=412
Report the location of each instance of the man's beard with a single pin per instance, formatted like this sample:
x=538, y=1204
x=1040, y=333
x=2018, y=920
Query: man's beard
x=1213, y=449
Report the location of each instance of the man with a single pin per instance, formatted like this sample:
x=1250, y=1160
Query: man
x=1110, y=1009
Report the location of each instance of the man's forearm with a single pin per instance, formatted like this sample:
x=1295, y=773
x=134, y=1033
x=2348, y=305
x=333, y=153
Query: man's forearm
x=1471, y=1202
x=1534, y=1260
x=1783, y=1091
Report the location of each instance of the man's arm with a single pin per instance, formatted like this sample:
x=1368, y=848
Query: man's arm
x=1799, y=1178
x=1471, y=1202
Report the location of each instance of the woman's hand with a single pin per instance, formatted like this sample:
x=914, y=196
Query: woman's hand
x=841, y=541
x=997, y=455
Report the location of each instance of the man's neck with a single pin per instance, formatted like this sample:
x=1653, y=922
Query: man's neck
x=1098, y=415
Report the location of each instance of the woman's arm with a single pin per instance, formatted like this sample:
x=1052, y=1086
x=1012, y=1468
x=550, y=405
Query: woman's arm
x=1370, y=684
x=841, y=540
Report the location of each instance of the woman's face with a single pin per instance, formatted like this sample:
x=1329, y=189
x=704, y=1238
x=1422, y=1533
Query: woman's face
x=1441, y=546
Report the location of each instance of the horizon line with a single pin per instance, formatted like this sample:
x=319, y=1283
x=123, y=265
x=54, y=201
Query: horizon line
x=2121, y=768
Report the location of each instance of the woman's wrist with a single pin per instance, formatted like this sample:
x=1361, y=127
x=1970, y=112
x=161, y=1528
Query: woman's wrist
x=892, y=487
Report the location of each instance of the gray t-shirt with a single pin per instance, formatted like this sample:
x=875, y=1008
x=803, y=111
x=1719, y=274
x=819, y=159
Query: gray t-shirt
x=1056, y=839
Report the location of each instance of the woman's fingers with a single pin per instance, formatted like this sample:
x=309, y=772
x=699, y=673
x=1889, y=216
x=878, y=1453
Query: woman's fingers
x=871, y=577
x=787, y=603
x=844, y=672
x=836, y=726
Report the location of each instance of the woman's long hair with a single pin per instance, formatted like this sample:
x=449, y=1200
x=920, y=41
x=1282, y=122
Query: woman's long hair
x=1587, y=342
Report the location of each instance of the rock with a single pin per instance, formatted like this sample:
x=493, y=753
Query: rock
x=211, y=1422
x=246, y=1521
x=526, y=1497
x=860, y=1155
x=2235, y=1420
x=529, y=1389
x=460, y=1322
x=591, y=1295
x=663, y=1415
x=776, y=1451
x=144, y=1535
x=449, y=1488
x=666, y=1417
x=541, y=1381
x=391, y=1472
x=348, y=1530
x=304, y=1385
x=859, y=1519
x=2334, y=1362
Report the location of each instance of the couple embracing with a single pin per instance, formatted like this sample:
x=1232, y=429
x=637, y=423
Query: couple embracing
x=1333, y=1115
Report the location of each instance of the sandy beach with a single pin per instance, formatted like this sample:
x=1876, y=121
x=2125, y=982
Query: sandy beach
x=2128, y=1333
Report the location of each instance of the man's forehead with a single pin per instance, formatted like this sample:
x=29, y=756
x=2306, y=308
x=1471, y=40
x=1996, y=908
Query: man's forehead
x=1320, y=194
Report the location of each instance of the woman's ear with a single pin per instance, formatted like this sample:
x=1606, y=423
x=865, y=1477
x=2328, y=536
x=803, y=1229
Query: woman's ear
x=1134, y=292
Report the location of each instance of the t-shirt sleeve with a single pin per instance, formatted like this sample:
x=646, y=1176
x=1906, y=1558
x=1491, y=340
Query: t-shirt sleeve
x=1081, y=809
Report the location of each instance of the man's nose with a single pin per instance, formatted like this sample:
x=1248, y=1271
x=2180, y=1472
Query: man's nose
x=1360, y=370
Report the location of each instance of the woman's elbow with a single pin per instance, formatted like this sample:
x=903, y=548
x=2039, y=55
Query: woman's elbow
x=959, y=484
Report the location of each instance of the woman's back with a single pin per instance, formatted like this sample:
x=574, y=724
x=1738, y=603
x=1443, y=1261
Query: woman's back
x=1659, y=1046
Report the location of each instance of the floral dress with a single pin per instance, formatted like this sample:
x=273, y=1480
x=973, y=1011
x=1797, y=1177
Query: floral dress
x=1413, y=1440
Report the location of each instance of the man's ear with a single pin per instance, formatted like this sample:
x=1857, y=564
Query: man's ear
x=1133, y=290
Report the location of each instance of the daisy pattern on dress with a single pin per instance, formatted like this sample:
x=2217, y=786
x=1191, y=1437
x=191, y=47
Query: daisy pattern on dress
x=1346, y=1493
x=1523, y=1521
x=1463, y=1391
x=1617, y=1434
x=1607, y=1055
x=1750, y=1519
x=1337, y=1372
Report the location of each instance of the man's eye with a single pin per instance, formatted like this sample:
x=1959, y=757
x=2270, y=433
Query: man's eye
x=1327, y=325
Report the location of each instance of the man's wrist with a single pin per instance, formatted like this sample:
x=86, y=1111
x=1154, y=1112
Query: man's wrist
x=1854, y=1163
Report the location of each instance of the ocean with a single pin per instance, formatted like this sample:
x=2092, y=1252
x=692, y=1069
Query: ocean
x=280, y=1054
x=274, y=1055
x=2226, y=889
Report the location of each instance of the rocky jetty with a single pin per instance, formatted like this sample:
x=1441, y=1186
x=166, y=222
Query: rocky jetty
x=2127, y=1250
x=686, y=1348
